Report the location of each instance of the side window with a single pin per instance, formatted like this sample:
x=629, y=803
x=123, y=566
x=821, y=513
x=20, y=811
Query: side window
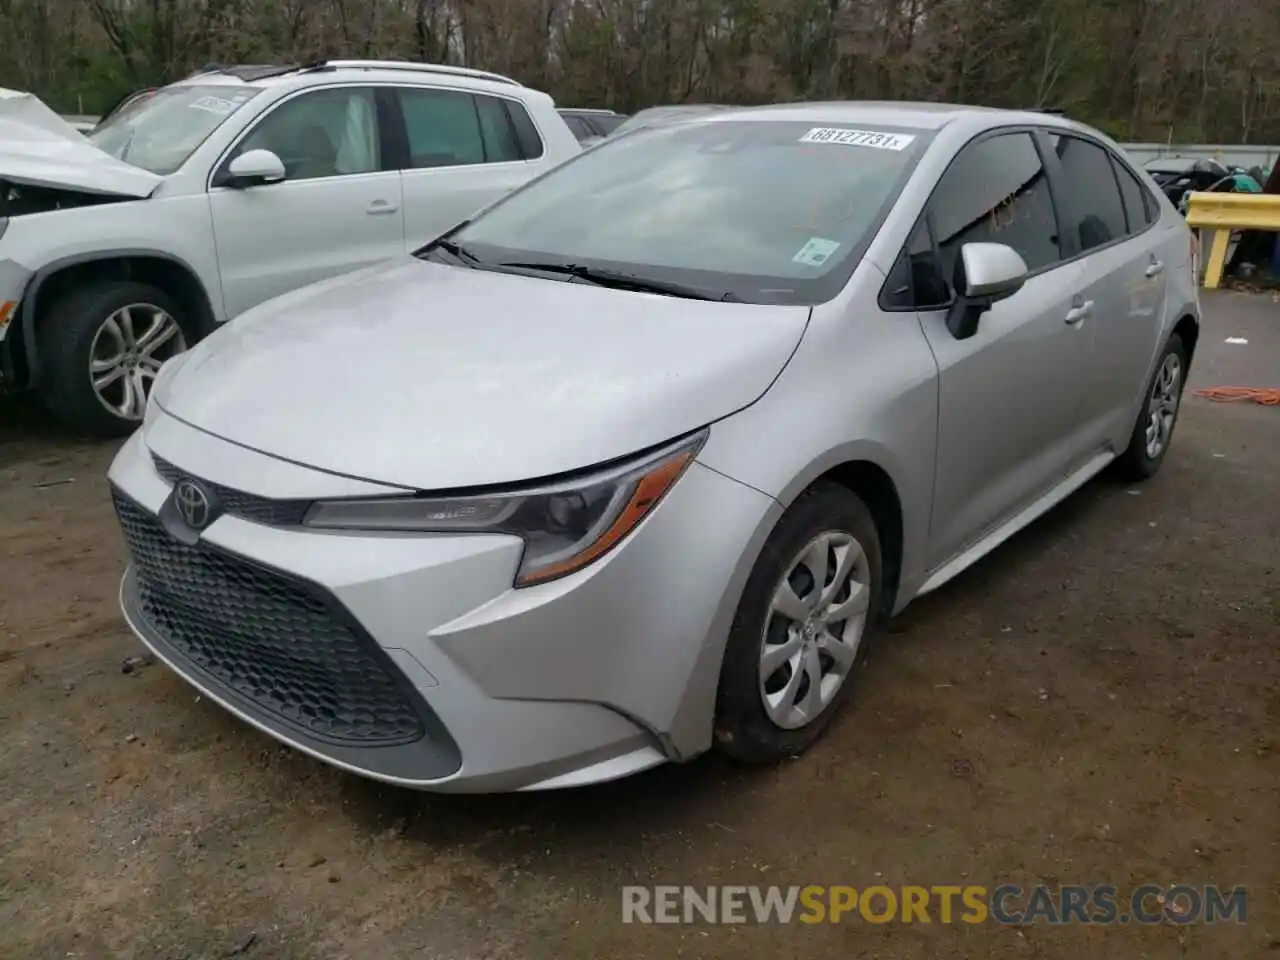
x=577, y=126
x=526, y=132
x=1093, y=184
x=996, y=191
x=1137, y=204
x=916, y=281
x=500, y=143
x=443, y=127
x=325, y=133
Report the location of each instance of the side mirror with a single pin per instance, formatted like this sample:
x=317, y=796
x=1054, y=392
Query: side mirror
x=255, y=167
x=986, y=273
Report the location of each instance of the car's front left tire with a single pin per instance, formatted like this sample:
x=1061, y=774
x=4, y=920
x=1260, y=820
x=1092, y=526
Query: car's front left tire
x=803, y=628
x=102, y=346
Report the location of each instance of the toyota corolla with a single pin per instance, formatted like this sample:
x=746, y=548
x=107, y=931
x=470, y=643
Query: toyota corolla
x=640, y=460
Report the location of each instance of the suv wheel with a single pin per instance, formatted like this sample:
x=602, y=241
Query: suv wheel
x=803, y=628
x=102, y=347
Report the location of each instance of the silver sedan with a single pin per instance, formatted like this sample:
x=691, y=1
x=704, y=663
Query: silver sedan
x=640, y=460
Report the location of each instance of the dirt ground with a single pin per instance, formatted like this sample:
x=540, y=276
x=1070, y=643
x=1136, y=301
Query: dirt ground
x=1097, y=702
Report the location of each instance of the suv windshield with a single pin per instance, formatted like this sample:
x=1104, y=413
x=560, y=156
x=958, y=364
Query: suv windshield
x=159, y=132
x=761, y=211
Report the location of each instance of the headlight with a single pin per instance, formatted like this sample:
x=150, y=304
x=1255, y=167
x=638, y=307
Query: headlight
x=565, y=527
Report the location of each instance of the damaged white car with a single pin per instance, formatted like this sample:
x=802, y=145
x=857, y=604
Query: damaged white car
x=121, y=249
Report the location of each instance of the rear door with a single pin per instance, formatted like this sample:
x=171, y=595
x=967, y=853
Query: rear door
x=1009, y=396
x=1113, y=219
x=337, y=210
x=461, y=151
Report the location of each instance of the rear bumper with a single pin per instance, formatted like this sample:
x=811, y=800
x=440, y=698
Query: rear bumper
x=585, y=679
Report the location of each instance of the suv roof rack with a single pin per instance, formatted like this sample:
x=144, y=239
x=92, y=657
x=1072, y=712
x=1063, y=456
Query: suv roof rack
x=1052, y=111
x=410, y=66
x=248, y=72
x=601, y=111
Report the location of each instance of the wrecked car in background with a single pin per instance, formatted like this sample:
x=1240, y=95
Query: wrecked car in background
x=1179, y=176
x=197, y=201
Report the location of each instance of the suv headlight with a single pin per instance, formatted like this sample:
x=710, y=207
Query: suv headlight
x=565, y=526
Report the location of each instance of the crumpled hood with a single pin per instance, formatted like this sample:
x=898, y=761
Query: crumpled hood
x=39, y=148
x=438, y=377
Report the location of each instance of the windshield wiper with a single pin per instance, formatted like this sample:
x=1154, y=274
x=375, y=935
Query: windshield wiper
x=457, y=250
x=451, y=247
x=623, y=281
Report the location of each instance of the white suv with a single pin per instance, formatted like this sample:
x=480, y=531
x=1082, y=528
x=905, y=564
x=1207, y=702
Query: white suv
x=226, y=189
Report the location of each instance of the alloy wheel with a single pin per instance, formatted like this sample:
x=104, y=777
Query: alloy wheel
x=1162, y=408
x=127, y=353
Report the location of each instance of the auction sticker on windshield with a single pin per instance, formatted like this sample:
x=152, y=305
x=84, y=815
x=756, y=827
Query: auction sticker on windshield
x=215, y=105
x=816, y=252
x=858, y=138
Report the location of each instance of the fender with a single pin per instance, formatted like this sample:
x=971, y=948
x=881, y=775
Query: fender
x=31, y=296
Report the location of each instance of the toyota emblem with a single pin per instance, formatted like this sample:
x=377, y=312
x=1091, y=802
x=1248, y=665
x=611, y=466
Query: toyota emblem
x=193, y=504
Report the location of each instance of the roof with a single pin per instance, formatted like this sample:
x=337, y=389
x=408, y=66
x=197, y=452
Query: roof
x=924, y=116
x=268, y=75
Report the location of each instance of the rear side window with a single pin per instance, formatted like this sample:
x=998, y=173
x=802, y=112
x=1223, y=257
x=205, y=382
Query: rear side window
x=500, y=142
x=996, y=191
x=1138, y=207
x=1099, y=210
x=442, y=127
x=526, y=131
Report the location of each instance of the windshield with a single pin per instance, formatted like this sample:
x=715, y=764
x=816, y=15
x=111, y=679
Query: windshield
x=159, y=132
x=761, y=211
x=654, y=115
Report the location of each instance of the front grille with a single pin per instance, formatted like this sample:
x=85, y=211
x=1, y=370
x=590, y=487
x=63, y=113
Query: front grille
x=266, y=637
x=247, y=506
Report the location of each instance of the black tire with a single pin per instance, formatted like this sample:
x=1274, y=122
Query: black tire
x=1135, y=464
x=743, y=728
x=65, y=339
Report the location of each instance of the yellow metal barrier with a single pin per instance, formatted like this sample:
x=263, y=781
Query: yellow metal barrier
x=1224, y=212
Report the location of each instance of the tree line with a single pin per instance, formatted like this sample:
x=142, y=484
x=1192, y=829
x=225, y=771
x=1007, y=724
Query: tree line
x=1166, y=70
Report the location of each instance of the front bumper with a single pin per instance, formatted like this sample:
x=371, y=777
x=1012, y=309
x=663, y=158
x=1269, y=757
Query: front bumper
x=14, y=279
x=411, y=659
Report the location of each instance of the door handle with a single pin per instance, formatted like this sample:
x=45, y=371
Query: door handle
x=1077, y=313
x=380, y=208
x=1155, y=269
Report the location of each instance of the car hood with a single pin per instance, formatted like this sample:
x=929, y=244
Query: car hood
x=436, y=377
x=39, y=148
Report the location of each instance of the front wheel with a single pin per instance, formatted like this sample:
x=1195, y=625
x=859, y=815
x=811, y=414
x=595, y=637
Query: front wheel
x=102, y=347
x=803, y=628
x=1153, y=431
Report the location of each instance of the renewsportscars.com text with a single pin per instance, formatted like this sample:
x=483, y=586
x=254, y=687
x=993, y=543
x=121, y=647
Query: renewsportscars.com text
x=1006, y=904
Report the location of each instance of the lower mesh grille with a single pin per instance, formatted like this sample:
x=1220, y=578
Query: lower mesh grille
x=266, y=637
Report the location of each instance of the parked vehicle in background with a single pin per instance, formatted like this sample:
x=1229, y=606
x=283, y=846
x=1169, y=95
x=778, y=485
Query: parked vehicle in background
x=1179, y=176
x=193, y=203
x=535, y=543
x=651, y=116
x=591, y=126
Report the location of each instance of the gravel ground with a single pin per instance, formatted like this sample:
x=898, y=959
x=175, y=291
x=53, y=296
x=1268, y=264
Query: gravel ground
x=1095, y=703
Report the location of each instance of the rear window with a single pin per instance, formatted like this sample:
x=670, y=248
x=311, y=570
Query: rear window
x=767, y=211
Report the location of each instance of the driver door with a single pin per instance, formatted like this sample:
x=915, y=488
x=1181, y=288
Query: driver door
x=1009, y=397
x=336, y=211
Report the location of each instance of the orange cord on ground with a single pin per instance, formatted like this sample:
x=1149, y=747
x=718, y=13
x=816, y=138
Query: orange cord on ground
x=1267, y=396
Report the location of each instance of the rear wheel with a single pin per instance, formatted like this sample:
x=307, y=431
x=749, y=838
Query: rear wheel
x=1153, y=431
x=803, y=628
x=102, y=347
